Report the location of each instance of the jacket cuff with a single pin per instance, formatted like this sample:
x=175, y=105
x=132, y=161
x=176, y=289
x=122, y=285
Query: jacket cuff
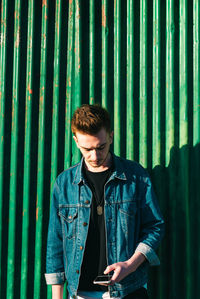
x=55, y=278
x=149, y=253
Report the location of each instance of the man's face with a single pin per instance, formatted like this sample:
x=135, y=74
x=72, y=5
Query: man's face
x=95, y=149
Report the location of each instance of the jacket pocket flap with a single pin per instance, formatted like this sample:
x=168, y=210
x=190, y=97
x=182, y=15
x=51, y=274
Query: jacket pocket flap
x=68, y=214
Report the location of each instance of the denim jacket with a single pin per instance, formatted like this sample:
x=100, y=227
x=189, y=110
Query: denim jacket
x=133, y=222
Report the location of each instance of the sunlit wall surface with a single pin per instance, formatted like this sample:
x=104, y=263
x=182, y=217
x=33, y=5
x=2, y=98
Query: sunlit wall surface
x=141, y=60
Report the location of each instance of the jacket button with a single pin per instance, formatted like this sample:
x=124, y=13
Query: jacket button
x=87, y=202
x=77, y=271
x=84, y=223
x=81, y=247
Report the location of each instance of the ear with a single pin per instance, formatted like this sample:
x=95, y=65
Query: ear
x=111, y=137
x=76, y=140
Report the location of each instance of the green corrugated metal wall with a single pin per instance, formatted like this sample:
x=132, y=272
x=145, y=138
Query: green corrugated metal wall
x=141, y=60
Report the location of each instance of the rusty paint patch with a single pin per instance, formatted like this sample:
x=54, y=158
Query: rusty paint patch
x=13, y=112
x=103, y=17
x=29, y=89
x=57, y=28
x=17, y=38
x=78, y=11
x=69, y=82
x=16, y=15
x=36, y=213
x=41, y=99
x=44, y=2
x=37, y=209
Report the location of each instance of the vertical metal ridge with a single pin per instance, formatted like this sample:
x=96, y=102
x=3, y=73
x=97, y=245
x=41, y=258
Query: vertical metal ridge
x=170, y=113
x=77, y=88
x=196, y=72
x=69, y=84
x=183, y=136
x=104, y=74
x=56, y=93
x=183, y=74
x=27, y=153
x=196, y=132
x=156, y=116
x=170, y=130
x=14, y=151
x=55, y=108
x=117, y=77
x=41, y=143
x=3, y=54
x=143, y=85
x=156, y=145
x=92, y=53
x=130, y=81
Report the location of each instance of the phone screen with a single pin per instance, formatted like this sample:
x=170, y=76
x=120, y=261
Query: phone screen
x=102, y=279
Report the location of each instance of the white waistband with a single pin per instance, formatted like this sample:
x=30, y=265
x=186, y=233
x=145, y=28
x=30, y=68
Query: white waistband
x=94, y=295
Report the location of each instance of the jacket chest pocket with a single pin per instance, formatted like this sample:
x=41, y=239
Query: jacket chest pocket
x=127, y=213
x=69, y=218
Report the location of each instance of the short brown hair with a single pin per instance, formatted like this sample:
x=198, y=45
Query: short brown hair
x=90, y=119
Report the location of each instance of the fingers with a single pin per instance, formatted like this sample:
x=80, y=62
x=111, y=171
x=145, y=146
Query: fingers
x=109, y=269
x=116, y=275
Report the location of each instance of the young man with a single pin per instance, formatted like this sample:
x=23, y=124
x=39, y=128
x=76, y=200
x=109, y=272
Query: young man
x=104, y=218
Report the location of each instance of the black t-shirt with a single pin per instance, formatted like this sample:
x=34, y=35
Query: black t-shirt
x=95, y=260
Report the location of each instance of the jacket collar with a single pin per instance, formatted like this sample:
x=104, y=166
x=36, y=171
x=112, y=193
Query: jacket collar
x=117, y=173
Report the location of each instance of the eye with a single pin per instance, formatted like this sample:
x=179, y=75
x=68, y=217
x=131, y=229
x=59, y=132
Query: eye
x=101, y=147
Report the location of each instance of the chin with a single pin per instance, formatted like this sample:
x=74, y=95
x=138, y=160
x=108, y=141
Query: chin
x=96, y=164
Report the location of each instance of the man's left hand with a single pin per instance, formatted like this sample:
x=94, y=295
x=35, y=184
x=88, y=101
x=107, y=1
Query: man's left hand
x=122, y=269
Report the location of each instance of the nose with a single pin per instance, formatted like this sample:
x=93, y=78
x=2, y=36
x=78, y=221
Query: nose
x=94, y=155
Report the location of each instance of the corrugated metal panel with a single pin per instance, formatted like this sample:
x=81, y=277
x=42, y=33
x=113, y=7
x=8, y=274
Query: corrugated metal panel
x=140, y=59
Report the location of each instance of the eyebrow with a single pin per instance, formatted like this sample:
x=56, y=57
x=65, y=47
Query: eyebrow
x=86, y=148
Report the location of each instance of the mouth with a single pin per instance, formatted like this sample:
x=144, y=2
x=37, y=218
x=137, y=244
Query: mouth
x=95, y=162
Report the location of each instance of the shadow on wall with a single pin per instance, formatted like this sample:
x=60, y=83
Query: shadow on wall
x=178, y=191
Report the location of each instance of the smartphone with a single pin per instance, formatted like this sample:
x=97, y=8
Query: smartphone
x=105, y=279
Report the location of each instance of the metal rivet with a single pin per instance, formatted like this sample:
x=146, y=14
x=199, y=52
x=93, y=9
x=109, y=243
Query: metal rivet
x=81, y=247
x=87, y=202
x=77, y=271
x=84, y=223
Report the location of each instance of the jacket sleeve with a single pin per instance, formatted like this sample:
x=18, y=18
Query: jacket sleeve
x=54, y=258
x=152, y=225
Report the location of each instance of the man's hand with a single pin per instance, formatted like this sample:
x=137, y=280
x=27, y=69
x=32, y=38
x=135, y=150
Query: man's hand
x=122, y=269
